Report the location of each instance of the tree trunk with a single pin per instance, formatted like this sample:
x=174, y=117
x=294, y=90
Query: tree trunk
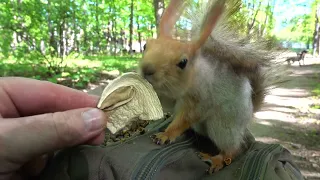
x=61, y=29
x=108, y=37
x=85, y=35
x=264, y=25
x=139, y=33
x=158, y=10
x=318, y=42
x=316, y=33
x=61, y=44
x=97, y=44
x=113, y=30
x=122, y=40
x=65, y=39
x=131, y=27
x=254, y=14
x=114, y=36
x=20, y=22
x=109, y=31
x=52, y=41
x=75, y=32
x=151, y=27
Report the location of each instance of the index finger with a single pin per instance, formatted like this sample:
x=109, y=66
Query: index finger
x=26, y=97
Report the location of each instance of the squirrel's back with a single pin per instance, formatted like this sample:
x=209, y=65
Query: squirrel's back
x=246, y=58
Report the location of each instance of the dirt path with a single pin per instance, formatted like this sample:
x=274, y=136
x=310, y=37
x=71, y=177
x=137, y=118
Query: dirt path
x=288, y=119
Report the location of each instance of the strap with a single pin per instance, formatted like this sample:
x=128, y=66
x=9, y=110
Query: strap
x=270, y=161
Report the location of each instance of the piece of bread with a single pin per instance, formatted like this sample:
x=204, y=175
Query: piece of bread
x=128, y=98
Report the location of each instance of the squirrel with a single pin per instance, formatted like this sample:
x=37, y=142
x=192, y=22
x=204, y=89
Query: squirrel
x=217, y=82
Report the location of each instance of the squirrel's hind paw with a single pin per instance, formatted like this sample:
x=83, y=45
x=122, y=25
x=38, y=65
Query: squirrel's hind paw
x=216, y=162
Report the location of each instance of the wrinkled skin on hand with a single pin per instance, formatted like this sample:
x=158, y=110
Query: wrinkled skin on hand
x=38, y=118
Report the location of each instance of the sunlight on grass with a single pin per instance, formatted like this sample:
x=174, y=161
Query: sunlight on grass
x=83, y=63
x=105, y=62
x=316, y=94
x=315, y=106
x=316, y=91
x=74, y=72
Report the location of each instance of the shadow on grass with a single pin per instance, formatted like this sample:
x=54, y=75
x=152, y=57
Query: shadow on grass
x=288, y=132
x=24, y=70
x=271, y=105
x=294, y=96
x=301, y=81
x=284, y=119
x=302, y=142
x=310, y=172
x=310, y=66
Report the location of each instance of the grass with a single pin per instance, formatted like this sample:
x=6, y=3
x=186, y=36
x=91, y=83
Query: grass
x=316, y=94
x=316, y=90
x=75, y=72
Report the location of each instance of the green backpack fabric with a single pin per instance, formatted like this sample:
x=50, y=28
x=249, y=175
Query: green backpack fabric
x=138, y=158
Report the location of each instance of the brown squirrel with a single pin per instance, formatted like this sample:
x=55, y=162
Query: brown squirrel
x=216, y=81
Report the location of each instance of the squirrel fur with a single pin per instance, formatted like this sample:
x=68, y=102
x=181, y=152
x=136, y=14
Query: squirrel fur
x=216, y=80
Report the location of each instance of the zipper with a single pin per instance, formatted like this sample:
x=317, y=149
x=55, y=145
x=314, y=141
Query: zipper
x=153, y=161
x=256, y=159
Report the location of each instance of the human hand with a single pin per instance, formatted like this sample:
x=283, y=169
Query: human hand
x=38, y=118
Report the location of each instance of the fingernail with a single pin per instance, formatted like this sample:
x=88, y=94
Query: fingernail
x=93, y=119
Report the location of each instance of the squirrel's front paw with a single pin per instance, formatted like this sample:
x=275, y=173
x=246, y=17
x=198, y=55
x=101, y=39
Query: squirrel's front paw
x=162, y=138
x=216, y=162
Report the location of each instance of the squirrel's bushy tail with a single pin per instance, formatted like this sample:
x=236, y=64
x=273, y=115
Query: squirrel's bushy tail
x=252, y=58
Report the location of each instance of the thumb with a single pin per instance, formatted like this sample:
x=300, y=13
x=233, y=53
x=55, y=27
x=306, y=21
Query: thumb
x=28, y=137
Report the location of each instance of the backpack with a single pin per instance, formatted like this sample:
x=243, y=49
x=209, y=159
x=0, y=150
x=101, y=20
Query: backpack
x=138, y=158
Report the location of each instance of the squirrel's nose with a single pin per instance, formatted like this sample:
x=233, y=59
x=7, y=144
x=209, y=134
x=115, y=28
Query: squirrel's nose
x=148, y=69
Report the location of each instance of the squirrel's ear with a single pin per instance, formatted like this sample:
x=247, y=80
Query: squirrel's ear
x=170, y=17
x=209, y=22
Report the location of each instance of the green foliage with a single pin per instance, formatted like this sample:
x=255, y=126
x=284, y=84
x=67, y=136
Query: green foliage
x=73, y=41
x=255, y=19
x=301, y=28
x=76, y=73
x=58, y=28
x=69, y=42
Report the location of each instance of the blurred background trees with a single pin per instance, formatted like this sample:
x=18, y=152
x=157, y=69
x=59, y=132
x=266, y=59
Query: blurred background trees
x=43, y=38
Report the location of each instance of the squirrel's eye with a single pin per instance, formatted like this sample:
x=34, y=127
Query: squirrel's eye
x=182, y=64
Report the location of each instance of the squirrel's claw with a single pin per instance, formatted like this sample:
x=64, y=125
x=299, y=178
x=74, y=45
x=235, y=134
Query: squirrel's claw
x=215, y=162
x=161, y=138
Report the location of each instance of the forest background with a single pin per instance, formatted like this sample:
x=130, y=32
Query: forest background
x=74, y=42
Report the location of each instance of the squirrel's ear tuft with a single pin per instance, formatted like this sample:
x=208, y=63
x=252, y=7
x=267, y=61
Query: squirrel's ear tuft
x=210, y=20
x=170, y=17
